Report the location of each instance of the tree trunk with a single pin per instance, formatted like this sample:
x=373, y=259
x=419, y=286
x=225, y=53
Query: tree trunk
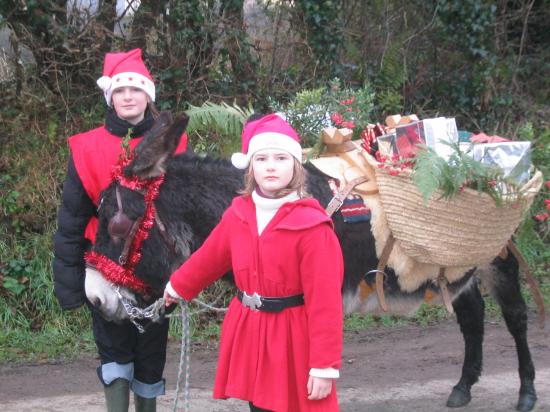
x=144, y=21
x=105, y=19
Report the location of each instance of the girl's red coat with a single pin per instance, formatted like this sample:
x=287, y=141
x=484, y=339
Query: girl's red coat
x=266, y=357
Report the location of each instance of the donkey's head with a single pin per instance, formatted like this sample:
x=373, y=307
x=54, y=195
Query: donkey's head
x=131, y=226
x=158, y=144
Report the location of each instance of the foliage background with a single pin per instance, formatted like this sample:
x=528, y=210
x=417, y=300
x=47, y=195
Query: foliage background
x=486, y=62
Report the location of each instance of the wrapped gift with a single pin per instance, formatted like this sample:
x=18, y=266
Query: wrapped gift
x=464, y=142
x=514, y=158
x=440, y=133
x=387, y=145
x=464, y=136
x=395, y=120
x=437, y=133
x=407, y=139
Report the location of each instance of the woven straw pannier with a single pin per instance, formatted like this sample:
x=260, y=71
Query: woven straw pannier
x=469, y=229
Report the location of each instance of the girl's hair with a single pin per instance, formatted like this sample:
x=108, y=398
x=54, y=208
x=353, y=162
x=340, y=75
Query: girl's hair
x=297, y=184
x=154, y=111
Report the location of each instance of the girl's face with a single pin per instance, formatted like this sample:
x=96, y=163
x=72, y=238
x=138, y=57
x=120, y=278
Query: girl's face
x=130, y=103
x=273, y=170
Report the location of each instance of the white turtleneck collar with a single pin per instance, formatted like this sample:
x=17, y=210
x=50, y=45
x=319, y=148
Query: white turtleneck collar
x=267, y=207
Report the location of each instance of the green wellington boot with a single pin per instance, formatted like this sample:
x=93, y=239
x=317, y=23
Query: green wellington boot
x=145, y=404
x=117, y=395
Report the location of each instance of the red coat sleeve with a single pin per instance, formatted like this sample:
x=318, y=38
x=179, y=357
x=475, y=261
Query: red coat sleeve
x=322, y=272
x=210, y=262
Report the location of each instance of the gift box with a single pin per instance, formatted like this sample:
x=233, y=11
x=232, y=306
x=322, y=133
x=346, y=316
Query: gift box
x=387, y=145
x=514, y=158
x=395, y=120
x=440, y=133
x=437, y=133
x=407, y=139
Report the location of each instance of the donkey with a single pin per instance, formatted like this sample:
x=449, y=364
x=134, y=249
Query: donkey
x=194, y=193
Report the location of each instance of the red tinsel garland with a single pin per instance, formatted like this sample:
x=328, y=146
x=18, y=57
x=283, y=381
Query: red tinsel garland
x=117, y=274
x=124, y=275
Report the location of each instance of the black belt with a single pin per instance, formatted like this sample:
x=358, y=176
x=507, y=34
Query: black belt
x=257, y=302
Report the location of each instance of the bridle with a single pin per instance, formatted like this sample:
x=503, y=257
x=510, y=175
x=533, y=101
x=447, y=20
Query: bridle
x=133, y=232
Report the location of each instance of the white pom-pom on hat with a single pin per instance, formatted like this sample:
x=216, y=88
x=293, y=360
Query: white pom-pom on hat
x=240, y=160
x=104, y=83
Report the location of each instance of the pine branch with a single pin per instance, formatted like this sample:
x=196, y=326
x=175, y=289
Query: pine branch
x=431, y=173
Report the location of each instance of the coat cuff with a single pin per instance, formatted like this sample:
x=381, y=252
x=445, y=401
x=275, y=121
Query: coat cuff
x=172, y=292
x=324, y=373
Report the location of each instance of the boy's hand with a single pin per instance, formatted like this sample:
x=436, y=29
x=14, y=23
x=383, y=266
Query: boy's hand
x=318, y=388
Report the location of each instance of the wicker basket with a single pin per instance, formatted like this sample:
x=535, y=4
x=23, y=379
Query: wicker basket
x=469, y=229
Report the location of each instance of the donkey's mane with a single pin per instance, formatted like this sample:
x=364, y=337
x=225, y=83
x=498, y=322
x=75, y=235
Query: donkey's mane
x=191, y=163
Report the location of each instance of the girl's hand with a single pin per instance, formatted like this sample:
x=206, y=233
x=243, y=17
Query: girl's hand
x=318, y=388
x=168, y=298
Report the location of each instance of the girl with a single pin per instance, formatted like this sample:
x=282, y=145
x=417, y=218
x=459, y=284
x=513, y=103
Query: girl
x=281, y=339
x=129, y=360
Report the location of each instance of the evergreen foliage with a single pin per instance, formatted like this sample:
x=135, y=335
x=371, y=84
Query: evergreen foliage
x=432, y=173
x=222, y=119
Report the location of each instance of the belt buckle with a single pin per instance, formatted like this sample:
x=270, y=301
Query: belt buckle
x=253, y=301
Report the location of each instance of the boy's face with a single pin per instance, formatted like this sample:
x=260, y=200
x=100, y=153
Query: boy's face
x=130, y=103
x=273, y=170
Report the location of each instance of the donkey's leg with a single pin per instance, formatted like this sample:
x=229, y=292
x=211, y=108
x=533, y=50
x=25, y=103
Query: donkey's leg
x=470, y=310
x=507, y=293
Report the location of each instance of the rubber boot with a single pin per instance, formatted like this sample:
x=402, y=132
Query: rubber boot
x=117, y=395
x=145, y=404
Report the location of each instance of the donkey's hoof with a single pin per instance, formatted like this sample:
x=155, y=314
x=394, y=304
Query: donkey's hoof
x=459, y=397
x=526, y=402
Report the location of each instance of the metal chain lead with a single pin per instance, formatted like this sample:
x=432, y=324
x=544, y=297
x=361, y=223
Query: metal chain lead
x=153, y=312
x=184, y=360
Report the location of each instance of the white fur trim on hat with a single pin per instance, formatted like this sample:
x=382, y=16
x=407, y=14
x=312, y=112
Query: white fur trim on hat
x=267, y=140
x=126, y=79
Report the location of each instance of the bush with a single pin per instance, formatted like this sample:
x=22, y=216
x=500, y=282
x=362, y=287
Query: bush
x=334, y=105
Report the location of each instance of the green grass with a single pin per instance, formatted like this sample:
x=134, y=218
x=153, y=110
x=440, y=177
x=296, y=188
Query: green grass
x=33, y=325
x=426, y=315
x=63, y=340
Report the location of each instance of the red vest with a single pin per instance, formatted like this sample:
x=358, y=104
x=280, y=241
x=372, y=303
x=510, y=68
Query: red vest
x=94, y=154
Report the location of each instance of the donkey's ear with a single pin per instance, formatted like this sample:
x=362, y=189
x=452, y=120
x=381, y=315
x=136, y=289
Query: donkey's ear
x=157, y=146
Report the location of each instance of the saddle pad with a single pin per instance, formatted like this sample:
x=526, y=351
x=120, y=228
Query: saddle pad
x=354, y=210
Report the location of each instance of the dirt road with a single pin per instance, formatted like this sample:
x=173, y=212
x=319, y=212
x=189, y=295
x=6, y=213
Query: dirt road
x=385, y=370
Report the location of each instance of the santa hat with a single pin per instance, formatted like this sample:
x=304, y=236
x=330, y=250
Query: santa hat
x=125, y=69
x=268, y=132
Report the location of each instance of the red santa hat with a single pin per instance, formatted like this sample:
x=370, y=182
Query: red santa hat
x=125, y=69
x=268, y=132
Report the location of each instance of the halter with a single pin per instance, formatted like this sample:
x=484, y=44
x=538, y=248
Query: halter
x=134, y=233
